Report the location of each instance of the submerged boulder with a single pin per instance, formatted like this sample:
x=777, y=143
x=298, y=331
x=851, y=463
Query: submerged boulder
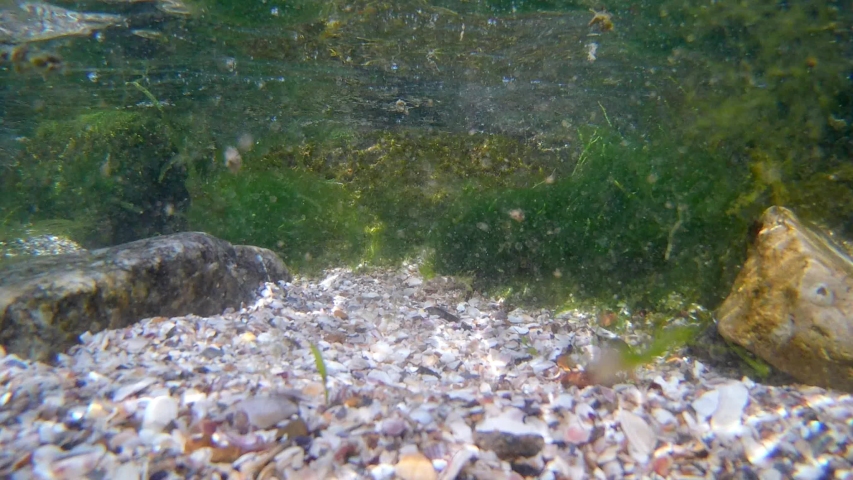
x=792, y=304
x=47, y=302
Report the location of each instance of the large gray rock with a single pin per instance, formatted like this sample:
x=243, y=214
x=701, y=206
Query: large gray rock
x=46, y=303
x=792, y=304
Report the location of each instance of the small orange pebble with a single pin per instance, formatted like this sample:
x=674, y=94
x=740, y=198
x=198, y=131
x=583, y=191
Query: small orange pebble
x=226, y=454
x=357, y=401
x=313, y=389
x=415, y=466
x=662, y=465
x=811, y=61
x=335, y=337
x=577, y=378
x=565, y=362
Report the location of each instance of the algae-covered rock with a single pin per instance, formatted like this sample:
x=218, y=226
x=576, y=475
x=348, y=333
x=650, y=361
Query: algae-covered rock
x=113, y=171
x=46, y=303
x=792, y=305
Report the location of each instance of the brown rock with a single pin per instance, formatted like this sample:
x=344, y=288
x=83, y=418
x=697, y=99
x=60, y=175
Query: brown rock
x=47, y=302
x=792, y=304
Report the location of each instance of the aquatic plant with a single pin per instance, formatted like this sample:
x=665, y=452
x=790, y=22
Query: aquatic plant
x=321, y=369
x=637, y=220
x=310, y=221
x=104, y=170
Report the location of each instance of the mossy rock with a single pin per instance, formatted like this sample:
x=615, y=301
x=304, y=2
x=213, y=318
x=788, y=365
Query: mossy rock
x=112, y=171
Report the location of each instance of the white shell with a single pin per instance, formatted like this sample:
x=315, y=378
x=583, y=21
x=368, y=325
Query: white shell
x=395, y=374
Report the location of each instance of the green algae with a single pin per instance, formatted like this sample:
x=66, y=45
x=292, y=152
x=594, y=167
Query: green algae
x=766, y=83
x=102, y=170
x=645, y=198
x=309, y=221
x=321, y=369
x=631, y=221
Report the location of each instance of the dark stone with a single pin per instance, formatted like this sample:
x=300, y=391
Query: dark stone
x=443, y=314
x=526, y=469
x=509, y=446
x=46, y=303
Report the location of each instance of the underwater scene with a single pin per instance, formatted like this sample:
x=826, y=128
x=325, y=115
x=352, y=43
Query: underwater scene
x=426, y=239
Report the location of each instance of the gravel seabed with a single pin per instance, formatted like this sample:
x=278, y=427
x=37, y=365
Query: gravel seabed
x=423, y=383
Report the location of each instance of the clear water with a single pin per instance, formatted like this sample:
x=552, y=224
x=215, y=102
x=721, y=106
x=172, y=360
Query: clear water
x=615, y=152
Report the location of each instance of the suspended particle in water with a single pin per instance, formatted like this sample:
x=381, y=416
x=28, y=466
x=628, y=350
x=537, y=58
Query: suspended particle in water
x=46, y=62
x=400, y=106
x=245, y=142
x=233, y=160
x=591, y=50
x=517, y=214
x=169, y=209
x=558, y=273
x=602, y=19
x=483, y=226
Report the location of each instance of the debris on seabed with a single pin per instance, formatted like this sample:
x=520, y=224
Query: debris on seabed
x=415, y=392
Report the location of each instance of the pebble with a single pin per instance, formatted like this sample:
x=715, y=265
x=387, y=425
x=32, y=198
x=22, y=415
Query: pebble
x=159, y=412
x=411, y=392
x=415, y=466
x=727, y=416
x=265, y=411
x=706, y=405
x=641, y=438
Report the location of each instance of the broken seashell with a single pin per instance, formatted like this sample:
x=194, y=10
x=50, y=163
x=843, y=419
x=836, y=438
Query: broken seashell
x=415, y=466
x=159, y=412
x=641, y=438
x=265, y=411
